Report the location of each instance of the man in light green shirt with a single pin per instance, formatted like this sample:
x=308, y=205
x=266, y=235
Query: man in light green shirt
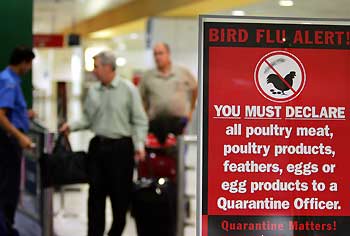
x=113, y=111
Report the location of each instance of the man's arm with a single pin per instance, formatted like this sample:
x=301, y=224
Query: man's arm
x=81, y=124
x=143, y=93
x=194, y=93
x=140, y=124
x=23, y=140
x=193, y=100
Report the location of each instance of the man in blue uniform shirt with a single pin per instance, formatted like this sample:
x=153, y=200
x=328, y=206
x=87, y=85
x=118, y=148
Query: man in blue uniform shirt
x=14, y=123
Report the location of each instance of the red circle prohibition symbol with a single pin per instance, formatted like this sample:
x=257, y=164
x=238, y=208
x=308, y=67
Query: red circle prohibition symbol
x=279, y=76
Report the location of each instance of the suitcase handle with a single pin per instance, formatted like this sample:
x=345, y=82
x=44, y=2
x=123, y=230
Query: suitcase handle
x=149, y=166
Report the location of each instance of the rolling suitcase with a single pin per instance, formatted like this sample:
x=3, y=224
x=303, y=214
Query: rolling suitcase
x=154, y=195
x=154, y=207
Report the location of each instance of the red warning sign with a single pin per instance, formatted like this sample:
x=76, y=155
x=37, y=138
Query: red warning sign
x=274, y=131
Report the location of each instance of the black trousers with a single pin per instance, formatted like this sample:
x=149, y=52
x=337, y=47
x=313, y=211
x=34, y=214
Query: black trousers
x=111, y=164
x=10, y=177
x=162, y=125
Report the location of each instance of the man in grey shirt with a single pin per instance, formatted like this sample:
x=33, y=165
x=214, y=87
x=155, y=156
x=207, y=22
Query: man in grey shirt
x=113, y=111
x=168, y=90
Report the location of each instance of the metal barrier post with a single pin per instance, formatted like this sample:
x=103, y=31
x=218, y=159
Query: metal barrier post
x=47, y=194
x=180, y=175
x=35, y=210
x=48, y=212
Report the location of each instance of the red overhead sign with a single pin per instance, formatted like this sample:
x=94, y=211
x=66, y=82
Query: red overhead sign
x=48, y=40
x=275, y=127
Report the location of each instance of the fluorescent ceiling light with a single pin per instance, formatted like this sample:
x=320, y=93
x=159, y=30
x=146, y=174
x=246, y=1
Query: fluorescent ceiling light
x=102, y=34
x=134, y=36
x=121, y=46
x=286, y=3
x=238, y=13
x=121, y=61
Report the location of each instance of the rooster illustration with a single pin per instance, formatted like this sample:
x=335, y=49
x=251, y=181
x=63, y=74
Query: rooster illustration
x=280, y=85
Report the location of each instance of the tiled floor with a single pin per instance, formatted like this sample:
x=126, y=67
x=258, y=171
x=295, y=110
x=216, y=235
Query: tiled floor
x=72, y=220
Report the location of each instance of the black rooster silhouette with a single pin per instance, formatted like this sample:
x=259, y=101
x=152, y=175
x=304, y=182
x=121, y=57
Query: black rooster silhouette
x=279, y=84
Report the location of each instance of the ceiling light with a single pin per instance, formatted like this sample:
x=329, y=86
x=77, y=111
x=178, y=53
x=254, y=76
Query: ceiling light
x=134, y=36
x=286, y=3
x=121, y=46
x=238, y=13
x=121, y=61
x=102, y=34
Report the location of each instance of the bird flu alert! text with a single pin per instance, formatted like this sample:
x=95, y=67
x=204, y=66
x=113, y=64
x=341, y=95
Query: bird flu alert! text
x=278, y=36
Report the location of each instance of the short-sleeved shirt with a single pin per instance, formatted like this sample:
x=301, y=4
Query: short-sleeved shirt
x=11, y=98
x=168, y=95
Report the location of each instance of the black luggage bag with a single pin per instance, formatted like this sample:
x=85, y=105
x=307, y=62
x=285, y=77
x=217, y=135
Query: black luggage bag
x=154, y=207
x=63, y=166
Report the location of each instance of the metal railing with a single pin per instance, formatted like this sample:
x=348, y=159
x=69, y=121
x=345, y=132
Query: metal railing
x=183, y=141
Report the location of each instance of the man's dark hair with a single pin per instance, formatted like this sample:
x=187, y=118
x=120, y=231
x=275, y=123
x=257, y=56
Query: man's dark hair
x=21, y=54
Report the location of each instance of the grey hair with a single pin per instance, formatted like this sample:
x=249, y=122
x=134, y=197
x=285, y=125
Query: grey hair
x=107, y=58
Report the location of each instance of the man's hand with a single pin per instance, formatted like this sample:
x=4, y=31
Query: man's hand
x=31, y=114
x=64, y=129
x=140, y=155
x=25, y=142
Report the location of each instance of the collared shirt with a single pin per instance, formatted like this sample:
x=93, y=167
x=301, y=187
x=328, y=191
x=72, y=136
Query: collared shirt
x=11, y=98
x=168, y=95
x=114, y=111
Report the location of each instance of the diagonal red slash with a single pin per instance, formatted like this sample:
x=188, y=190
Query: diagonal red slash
x=280, y=76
